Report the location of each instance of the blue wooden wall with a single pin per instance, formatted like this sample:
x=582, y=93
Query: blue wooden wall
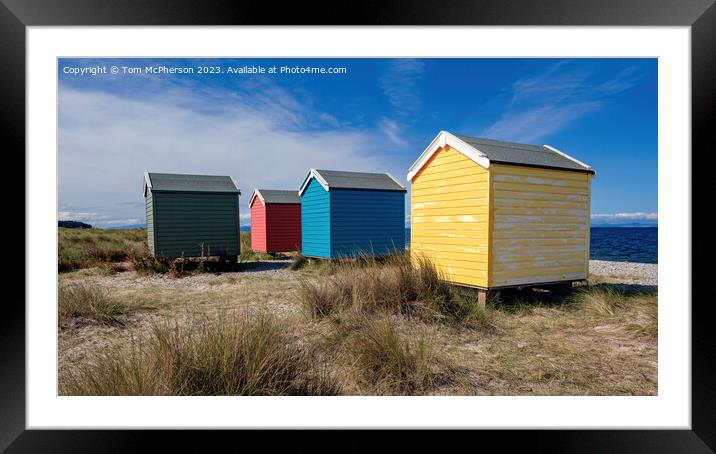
x=315, y=221
x=366, y=222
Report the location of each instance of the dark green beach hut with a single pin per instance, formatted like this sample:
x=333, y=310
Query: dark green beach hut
x=192, y=215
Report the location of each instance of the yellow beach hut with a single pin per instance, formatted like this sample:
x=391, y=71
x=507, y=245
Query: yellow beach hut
x=491, y=214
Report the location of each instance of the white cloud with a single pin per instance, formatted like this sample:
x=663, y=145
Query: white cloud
x=392, y=131
x=547, y=102
x=624, y=80
x=532, y=125
x=75, y=215
x=106, y=142
x=401, y=85
x=131, y=221
x=97, y=219
x=619, y=218
x=554, y=85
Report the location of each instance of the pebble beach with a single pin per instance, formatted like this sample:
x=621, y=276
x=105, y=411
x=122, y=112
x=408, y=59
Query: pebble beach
x=636, y=273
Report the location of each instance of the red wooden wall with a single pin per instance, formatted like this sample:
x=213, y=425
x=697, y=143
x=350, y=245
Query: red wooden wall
x=275, y=227
x=258, y=226
x=283, y=227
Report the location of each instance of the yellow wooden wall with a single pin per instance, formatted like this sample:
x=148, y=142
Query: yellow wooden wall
x=449, y=217
x=540, y=226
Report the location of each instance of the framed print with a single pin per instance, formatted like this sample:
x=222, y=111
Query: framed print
x=399, y=220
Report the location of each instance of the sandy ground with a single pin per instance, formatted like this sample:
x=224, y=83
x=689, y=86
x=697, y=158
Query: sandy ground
x=260, y=285
x=552, y=360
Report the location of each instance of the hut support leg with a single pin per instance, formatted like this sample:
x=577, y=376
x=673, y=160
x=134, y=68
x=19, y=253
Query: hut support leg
x=482, y=297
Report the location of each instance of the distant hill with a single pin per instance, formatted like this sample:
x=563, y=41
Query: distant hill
x=73, y=225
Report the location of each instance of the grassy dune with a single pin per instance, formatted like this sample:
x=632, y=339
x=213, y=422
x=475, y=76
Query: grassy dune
x=354, y=327
x=235, y=355
x=126, y=249
x=85, y=248
x=95, y=303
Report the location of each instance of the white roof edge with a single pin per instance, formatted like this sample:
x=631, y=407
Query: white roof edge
x=254, y=195
x=147, y=183
x=394, y=179
x=313, y=173
x=569, y=157
x=445, y=138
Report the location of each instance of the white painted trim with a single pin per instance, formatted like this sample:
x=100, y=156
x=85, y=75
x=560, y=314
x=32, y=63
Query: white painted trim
x=147, y=184
x=570, y=158
x=396, y=181
x=254, y=195
x=313, y=173
x=445, y=138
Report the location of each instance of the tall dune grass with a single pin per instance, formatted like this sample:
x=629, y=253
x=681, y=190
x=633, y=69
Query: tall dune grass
x=393, y=284
x=84, y=248
x=94, y=302
x=637, y=308
x=234, y=355
x=390, y=362
x=119, y=250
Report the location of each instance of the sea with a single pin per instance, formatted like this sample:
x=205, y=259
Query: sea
x=618, y=244
x=625, y=244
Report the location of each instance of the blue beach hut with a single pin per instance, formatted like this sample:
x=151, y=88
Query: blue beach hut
x=345, y=214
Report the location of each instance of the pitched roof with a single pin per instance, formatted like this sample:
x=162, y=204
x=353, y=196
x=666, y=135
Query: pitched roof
x=485, y=151
x=275, y=196
x=353, y=180
x=175, y=182
x=519, y=153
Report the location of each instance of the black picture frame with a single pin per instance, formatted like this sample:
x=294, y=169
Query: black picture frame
x=700, y=15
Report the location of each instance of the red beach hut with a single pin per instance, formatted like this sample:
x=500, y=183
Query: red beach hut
x=275, y=220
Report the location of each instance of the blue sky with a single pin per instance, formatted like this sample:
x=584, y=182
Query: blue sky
x=267, y=130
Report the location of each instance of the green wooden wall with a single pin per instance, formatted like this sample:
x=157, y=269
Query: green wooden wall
x=183, y=221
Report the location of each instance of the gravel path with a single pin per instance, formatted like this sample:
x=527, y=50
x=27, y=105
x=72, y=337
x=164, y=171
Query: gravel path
x=250, y=270
x=636, y=273
x=628, y=272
